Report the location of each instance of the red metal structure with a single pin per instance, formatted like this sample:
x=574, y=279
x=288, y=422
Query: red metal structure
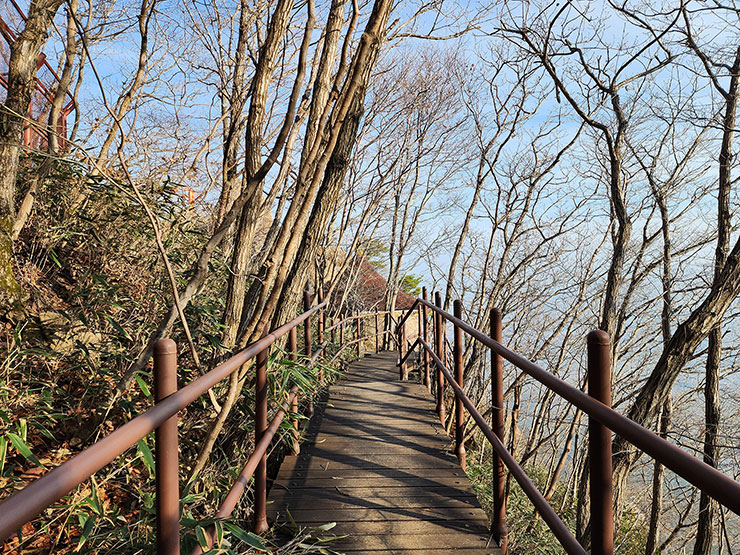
x=602, y=421
x=34, y=133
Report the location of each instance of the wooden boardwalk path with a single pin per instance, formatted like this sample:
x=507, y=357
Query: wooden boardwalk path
x=378, y=463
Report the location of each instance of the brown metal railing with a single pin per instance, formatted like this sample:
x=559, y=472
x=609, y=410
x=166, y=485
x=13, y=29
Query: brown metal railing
x=596, y=404
x=162, y=419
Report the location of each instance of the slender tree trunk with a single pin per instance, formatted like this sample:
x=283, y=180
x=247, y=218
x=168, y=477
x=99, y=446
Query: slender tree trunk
x=324, y=205
x=707, y=506
x=60, y=95
x=22, y=67
x=242, y=255
x=656, y=508
x=461, y=240
x=265, y=296
x=702, y=322
x=130, y=94
x=234, y=124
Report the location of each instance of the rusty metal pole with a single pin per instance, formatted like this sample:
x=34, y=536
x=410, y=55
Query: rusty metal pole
x=418, y=321
x=166, y=447
x=321, y=323
x=307, y=344
x=260, y=425
x=600, y=445
x=403, y=374
x=358, y=331
x=458, y=362
x=341, y=334
x=377, y=331
x=439, y=344
x=307, y=325
x=424, y=354
x=293, y=348
x=498, y=526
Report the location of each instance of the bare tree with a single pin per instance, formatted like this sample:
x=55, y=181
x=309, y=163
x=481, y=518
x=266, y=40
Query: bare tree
x=22, y=67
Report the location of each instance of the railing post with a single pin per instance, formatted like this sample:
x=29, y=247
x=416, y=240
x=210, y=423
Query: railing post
x=600, y=445
x=424, y=354
x=358, y=331
x=260, y=425
x=418, y=320
x=293, y=348
x=439, y=344
x=307, y=343
x=402, y=352
x=458, y=362
x=321, y=324
x=377, y=332
x=166, y=447
x=498, y=527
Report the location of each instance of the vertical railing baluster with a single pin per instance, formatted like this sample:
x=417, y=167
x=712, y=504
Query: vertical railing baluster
x=377, y=336
x=439, y=344
x=260, y=425
x=293, y=348
x=358, y=332
x=308, y=348
x=424, y=354
x=418, y=320
x=402, y=351
x=498, y=528
x=321, y=320
x=165, y=448
x=458, y=363
x=320, y=327
x=600, y=445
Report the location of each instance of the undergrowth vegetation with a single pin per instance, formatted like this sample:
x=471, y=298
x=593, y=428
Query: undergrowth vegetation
x=97, y=286
x=527, y=532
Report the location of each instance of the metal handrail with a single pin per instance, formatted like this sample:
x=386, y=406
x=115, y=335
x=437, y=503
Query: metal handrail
x=239, y=487
x=354, y=317
x=558, y=527
x=403, y=319
x=705, y=477
x=37, y=496
x=355, y=341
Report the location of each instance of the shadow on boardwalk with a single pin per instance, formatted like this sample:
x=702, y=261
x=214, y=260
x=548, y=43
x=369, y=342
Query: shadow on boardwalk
x=378, y=463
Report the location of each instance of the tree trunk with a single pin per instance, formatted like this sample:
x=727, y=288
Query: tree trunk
x=22, y=67
x=702, y=321
x=653, y=539
x=60, y=95
x=323, y=208
x=707, y=506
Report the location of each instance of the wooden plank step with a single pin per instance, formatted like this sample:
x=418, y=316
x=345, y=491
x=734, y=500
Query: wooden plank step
x=471, y=551
x=323, y=461
x=404, y=527
x=393, y=542
x=371, y=482
x=317, y=516
x=373, y=492
x=340, y=499
x=376, y=441
x=353, y=447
